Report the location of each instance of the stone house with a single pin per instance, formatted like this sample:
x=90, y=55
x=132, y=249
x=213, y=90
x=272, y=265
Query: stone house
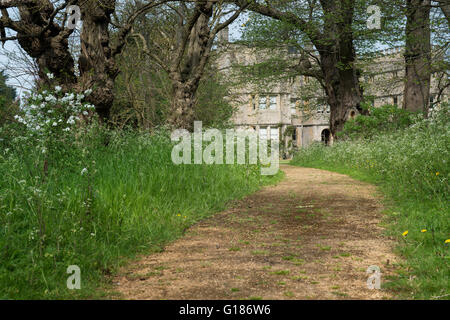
x=277, y=110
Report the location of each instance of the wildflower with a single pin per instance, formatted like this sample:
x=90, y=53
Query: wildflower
x=405, y=233
x=71, y=120
x=84, y=171
x=92, y=234
x=447, y=241
x=178, y=215
x=50, y=75
x=54, y=124
x=58, y=88
x=437, y=173
x=423, y=230
x=88, y=92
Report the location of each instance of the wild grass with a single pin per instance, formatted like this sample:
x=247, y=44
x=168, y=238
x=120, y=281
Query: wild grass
x=96, y=199
x=411, y=167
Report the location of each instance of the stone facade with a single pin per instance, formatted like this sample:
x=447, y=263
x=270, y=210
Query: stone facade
x=276, y=109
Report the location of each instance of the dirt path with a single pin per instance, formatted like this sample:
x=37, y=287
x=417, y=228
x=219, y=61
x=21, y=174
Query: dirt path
x=312, y=236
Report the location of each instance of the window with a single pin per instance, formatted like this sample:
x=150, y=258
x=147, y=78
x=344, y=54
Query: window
x=293, y=106
x=273, y=102
x=431, y=99
x=294, y=136
x=263, y=133
x=262, y=103
x=395, y=100
x=253, y=102
x=274, y=134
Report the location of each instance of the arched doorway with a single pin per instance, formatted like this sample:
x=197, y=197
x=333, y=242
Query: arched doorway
x=326, y=136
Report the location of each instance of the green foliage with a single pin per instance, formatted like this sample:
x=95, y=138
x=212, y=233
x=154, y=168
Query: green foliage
x=144, y=95
x=100, y=197
x=211, y=106
x=387, y=118
x=411, y=167
x=7, y=95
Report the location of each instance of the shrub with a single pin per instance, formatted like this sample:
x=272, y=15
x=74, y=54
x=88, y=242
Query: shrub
x=387, y=118
x=69, y=198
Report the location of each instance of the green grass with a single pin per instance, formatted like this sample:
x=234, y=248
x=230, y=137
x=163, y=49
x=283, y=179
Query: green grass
x=411, y=168
x=281, y=272
x=130, y=199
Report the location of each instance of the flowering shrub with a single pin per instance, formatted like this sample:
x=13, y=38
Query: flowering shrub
x=81, y=194
x=51, y=112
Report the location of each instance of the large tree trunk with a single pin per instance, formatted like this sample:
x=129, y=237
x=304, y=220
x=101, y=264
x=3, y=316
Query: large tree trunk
x=47, y=42
x=50, y=48
x=186, y=78
x=182, y=115
x=337, y=54
x=417, y=56
x=96, y=62
x=337, y=61
x=342, y=89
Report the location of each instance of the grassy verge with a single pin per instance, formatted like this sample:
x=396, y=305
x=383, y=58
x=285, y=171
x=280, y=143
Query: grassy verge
x=411, y=168
x=96, y=200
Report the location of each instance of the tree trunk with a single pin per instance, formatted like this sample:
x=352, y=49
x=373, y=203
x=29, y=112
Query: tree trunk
x=96, y=62
x=417, y=56
x=445, y=7
x=342, y=89
x=51, y=48
x=186, y=78
x=182, y=115
x=337, y=61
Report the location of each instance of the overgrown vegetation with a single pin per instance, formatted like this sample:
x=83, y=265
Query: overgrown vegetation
x=410, y=164
x=75, y=193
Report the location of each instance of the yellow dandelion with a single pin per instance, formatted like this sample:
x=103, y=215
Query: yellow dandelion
x=437, y=173
x=405, y=233
x=423, y=230
x=447, y=241
x=178, y=215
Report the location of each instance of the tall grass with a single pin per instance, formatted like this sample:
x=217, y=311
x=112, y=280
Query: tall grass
x=411, y=166
x=93, y=200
